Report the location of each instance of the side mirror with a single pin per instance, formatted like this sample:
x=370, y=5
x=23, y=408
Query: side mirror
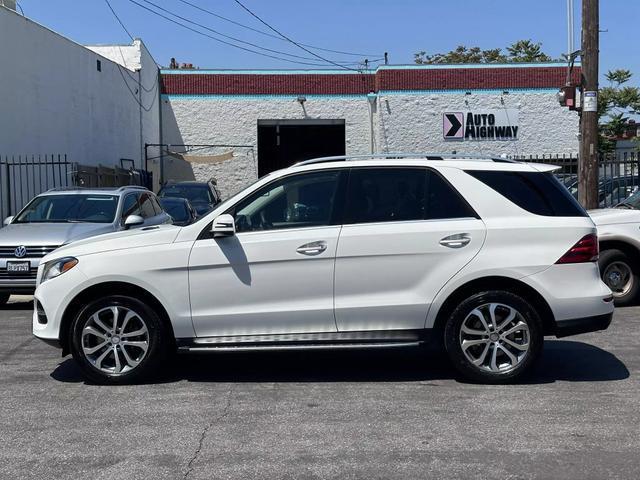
x=133, y=221
x=8, y=220
x=223, y=226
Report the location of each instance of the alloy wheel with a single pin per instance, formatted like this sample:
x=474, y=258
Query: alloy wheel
x=115, y=340
x=495, y=337
x=618, y=277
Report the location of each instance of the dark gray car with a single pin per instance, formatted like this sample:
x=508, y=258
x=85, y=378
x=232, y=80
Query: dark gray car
x=61, y=216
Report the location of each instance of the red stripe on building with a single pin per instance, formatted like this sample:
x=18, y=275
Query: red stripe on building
x=356, y=83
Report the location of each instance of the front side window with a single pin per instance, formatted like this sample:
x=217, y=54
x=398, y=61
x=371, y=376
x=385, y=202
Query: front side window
x=297, y=201
x=146, y=206
x=130, y=206
x=69, y=208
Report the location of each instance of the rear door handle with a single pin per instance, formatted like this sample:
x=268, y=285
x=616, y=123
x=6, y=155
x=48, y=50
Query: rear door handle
x=313, y=248
x=457, y=240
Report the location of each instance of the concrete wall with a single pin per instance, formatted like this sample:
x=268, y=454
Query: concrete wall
x=403, y=122
x=53, y=99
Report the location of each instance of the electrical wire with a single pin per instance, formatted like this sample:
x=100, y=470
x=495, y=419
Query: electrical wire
x=229, y=43
x=267, y=34
x=290, y=40
x=118, y=19
x=133, y=94
x=279, y=52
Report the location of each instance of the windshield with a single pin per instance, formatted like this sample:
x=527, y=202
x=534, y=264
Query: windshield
x=193, y=193
x=69, y=209
x=177, y=210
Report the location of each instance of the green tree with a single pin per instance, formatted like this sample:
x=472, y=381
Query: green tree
x=522, y=51
x=617, y=102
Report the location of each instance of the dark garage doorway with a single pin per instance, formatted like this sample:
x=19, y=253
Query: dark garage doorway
x=281, y=143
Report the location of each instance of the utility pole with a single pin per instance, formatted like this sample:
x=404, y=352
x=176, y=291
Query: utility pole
x=588, y=158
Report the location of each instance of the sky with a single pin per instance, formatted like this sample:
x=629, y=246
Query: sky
x=371, y=27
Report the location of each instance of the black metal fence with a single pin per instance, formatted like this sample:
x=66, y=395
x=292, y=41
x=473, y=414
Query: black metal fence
x=22, y=177
x=619, y=174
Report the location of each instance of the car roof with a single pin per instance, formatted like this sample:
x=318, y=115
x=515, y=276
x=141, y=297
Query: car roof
x=95, y=190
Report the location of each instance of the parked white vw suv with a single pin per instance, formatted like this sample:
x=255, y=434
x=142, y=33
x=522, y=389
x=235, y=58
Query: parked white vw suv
x=483, y=256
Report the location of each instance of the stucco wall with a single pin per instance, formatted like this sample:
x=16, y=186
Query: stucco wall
x=403, y=122
x=54, y=100
x=234, y=120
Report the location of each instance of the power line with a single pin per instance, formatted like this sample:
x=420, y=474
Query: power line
x=118, y=19
x=162, y=9
x=288, y=39
x=267, y=34
x=229, y=43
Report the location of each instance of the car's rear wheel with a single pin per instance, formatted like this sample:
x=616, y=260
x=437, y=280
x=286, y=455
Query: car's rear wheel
x=620, y=275
x=118, y=340
x=4, y=298
x=494, y=337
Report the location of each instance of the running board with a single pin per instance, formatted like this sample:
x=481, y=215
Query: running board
x=304, y=341
x=297, y=346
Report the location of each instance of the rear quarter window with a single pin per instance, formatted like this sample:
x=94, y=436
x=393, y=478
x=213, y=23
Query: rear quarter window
x=535, y=192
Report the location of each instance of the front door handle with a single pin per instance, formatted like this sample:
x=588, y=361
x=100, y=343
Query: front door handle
x=458, y=240
x=313, y=248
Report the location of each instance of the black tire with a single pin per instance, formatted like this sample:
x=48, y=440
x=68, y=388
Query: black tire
x=612, y=263
x=4, y=298
x=157, y=340
x=453, y=337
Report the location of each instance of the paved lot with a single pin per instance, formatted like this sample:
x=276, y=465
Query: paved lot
x=391, y=414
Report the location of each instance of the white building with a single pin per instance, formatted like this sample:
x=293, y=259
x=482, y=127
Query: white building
x=95, y=104
x=288, y=116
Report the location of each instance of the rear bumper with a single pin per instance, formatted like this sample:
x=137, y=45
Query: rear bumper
x=575, y=326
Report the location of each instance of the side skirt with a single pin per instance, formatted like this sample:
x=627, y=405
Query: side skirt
x=305, y=341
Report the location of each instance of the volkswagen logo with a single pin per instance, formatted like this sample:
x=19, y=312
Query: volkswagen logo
x=20, y=252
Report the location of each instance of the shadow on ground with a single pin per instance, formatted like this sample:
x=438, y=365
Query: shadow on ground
x=21, y=305
x=562, y=360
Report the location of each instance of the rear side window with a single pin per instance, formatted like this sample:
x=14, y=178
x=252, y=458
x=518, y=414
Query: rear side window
x=386, y=195
x=402, y=194
x=538, y=193
x=443, y=201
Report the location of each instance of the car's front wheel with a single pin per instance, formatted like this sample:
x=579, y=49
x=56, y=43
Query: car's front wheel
x=4, y=298
x=620, y=275
x=493, y=337
x=118, y=339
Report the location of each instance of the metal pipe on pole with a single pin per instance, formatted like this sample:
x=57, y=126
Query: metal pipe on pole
x=570, y=30
x=588, y=157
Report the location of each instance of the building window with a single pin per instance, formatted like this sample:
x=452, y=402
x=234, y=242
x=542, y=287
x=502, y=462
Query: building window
x=99, y=65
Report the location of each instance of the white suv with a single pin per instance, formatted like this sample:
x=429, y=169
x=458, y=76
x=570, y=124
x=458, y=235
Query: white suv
x=484, y=257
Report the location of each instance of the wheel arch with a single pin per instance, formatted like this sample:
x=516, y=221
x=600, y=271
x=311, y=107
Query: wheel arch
x=495, y=283
x=114, y=288
x=626, y=247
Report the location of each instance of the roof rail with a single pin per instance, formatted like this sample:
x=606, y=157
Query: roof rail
x=390, y=156
x=64, y=189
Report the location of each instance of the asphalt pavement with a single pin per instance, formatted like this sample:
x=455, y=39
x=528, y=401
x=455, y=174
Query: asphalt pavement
x=357, y=414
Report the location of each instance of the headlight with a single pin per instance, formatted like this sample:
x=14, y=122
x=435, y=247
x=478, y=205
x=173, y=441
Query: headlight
x=55, y=268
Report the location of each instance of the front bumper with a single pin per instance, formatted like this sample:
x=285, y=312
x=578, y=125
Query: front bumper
x=576, y=326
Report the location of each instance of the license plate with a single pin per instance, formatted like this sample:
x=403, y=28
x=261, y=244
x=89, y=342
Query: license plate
x=18, y=267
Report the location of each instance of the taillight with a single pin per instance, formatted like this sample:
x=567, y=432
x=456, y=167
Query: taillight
x=586, y=250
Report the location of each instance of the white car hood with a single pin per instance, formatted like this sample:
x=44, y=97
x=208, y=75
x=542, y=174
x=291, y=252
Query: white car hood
x=608, y=216
x=128, y=239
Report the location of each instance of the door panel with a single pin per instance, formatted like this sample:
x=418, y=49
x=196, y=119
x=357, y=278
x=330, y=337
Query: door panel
x=258, y=283
x=275, y=276
x=387, y=274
